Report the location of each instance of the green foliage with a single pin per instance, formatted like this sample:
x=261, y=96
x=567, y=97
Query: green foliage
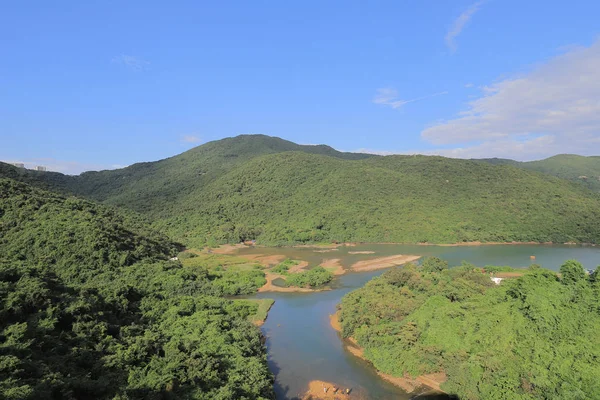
x=434, y=264
x=572, y=272
x=91, y=308
x=284, y=266
x=528, y=338
x=580, y=169
x=317, y=276
x=257, y=187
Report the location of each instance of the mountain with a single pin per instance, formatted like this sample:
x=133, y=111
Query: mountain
x=149, y=186
x=580, y=169
x=258, y=187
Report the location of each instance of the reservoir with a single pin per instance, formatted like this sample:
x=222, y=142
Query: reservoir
x=303, y=347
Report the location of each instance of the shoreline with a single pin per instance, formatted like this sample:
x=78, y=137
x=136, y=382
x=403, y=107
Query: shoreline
x=408, y=384
x=328, y=247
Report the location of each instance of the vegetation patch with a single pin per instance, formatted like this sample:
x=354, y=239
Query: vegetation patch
x=317, y=276
x=529, y=337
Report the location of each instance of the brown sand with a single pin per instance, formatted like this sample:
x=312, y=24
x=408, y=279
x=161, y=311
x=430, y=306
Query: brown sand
x=407, y=383
x=326, y=251
x=334, y=266
x=299, y=267
x=383, y=262
x=361, y=252
x=315, y=392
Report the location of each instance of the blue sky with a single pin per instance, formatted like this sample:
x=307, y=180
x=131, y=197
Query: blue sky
x=91, y=85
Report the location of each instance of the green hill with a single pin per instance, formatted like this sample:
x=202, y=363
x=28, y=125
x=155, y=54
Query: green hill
x=291, y=197
x=91, y=308
x=580, y=169
x=254, y=187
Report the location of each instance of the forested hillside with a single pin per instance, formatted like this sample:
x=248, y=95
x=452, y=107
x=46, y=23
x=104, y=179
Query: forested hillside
x=296, y=197
x=264, y=188
x=528, y=338
x=90, y=308
x=580, y=169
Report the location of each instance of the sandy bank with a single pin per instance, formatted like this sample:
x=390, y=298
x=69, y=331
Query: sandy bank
x=361, y=252
x=383, y=262
x=301, y=266
x=316, y=391
x=407, y=383
x=334, y=266
x=227, y=248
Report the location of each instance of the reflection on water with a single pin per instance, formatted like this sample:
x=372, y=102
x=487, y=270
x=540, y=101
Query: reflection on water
x=302, y=345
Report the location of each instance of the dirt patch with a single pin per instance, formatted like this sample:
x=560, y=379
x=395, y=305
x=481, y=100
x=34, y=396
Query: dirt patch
x=334, y=266
x=383, y=262
x=326, y=251
x=361, y=252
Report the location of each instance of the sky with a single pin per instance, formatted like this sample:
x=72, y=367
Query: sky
x=88, y=85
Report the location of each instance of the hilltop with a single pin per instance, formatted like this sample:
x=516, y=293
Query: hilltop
x=580, y=169
x=272, y=190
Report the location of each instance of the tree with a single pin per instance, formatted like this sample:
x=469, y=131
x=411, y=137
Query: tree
x=572, y=272
x=434, y=264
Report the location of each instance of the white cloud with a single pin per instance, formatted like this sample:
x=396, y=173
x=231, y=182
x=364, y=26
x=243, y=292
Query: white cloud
x=460, y=23
x=65, y=167
x=555, y=107
x=389, y=97
x=190, y=139
x=131, y=62
x=469, y=85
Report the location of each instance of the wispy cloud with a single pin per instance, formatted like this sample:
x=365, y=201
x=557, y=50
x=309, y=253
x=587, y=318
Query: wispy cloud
x=459, y=24
x=554, y=108
x=469, y=85
x=389, y=97
x=191, y=139
x=131, y=62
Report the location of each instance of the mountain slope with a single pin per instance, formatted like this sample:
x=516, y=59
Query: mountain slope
x=255, y=187
x=150, y=186
x=91, y=309
x=296, y=197
x=580, y=169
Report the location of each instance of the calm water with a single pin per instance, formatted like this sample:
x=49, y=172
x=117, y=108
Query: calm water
x=302, y=345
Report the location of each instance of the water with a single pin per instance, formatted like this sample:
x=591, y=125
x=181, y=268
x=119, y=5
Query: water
x=301, y=344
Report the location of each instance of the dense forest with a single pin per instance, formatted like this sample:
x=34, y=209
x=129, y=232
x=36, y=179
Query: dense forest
x=92, y=307
x=532, y=337
x=580, y=169
x=277, y=192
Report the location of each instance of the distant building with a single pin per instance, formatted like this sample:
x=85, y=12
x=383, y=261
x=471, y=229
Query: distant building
x=497, y=280
x=18, y=164
x=40, y=168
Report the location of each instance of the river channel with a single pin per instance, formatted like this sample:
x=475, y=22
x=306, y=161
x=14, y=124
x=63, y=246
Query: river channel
x=303, y=347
